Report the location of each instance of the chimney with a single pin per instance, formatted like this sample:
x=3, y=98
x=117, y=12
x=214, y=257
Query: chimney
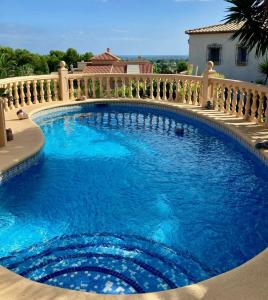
x=108, y=50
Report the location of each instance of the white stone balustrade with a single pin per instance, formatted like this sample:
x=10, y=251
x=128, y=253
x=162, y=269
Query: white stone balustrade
x=241, y=99
x=30, y=90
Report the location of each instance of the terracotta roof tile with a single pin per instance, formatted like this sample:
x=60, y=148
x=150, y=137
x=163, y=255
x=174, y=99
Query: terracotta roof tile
x=98, y=69
x=118, y=69
x=146, y=68
x=220, y=28
x=105, y=57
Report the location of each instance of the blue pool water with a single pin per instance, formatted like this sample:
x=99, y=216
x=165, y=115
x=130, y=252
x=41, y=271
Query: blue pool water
x=119, y=204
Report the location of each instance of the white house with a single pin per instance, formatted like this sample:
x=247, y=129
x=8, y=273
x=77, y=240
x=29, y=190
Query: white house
x=231, y=59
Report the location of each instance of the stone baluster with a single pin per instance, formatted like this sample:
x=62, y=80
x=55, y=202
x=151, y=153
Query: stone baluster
x=202, y=94
x=235, y=100
x=28, y=93
x=261, y=108
x=254, y=107
x=222, y=102
x=195, y=100
x=193, y=90
x=152, y=89
x=116, y=87
x=248, y=104
x=178, y=90
x=266, y=111
x=123, y=87
x=10, y=96
x=16, y=94
x=108, y=88
x=158, y=82
x=228, y=99
x=42, y=93
x=78, y=88
x=94, y=88
x=240, y=103
x=86, y=87
x=101, y=87
x=215, y=96
x=164, y=89
x=35, y=98
x=170, y=91
x=188, y=91
x=184, y=83
x=71, y=90
x=130, y=88
x=56, y=93
x=48, y=85
x=145, y=88
x=22, y=95
x=138, y=89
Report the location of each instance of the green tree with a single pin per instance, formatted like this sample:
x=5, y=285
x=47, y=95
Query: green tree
x=25, y=70
x=71, y=57
x=21, y=62
x=263, y=69
x=86, y=56
x=182, y=66
x=54, y=58
x=253, y=15
x=7, y=66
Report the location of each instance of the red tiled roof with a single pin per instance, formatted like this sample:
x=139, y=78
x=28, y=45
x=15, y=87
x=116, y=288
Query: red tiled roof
x=219, y=28
x=98, y=69
x=105, y=69
x=118, y=69
x=146, y=68
x=105, y=57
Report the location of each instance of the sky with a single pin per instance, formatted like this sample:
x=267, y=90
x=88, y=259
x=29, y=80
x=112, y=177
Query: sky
x=128, y=27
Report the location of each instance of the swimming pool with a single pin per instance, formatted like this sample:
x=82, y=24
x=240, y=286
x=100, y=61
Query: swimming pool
x=118, y=203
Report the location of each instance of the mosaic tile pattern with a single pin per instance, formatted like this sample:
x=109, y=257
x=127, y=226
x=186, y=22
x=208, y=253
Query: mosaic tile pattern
x=107, y=264
x=21, y=167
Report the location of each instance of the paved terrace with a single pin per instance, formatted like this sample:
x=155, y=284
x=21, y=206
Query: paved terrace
x=247, y=282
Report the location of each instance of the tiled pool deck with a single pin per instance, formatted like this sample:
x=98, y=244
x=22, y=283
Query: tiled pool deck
x=250, y=281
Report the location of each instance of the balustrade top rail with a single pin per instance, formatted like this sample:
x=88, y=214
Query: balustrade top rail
x=239, y=84
x=120, y=75
x=243, y=99
x=6, y=81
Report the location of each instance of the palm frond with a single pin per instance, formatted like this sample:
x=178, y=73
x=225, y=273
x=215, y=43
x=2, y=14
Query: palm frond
x=254, y=31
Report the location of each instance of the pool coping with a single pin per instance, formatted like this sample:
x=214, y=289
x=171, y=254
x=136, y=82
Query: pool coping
x=249, y=281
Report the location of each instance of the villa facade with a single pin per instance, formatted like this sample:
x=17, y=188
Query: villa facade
x=230, y=58
x=107, y=63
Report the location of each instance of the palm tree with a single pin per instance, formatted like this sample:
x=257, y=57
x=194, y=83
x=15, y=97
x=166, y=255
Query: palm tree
x=253, y=17
x=263, y=68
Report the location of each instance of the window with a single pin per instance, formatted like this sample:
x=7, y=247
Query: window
x=214, y=53
x=242, y=56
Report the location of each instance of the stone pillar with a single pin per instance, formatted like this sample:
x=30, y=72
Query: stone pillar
x=3, y=138
x=207, y=89
x=63, y=82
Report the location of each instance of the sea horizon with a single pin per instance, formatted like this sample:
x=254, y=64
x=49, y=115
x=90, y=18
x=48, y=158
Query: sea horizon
x=155, y=57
